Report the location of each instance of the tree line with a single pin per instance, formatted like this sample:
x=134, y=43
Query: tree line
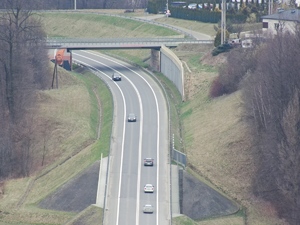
x=268, y=77
x=24, y=69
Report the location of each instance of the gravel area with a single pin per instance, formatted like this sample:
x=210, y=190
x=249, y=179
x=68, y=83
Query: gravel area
x=199, y=201
x=77, y=194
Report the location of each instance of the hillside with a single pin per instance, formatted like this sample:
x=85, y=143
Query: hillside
x=215, y=137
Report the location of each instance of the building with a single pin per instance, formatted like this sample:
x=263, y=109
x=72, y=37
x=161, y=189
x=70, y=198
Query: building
x=283, y=20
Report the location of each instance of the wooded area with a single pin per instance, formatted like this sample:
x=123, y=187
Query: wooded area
x=268, y=76
x=23, y=70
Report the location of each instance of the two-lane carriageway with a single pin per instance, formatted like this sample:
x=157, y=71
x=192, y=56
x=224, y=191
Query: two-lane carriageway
x=131, y=142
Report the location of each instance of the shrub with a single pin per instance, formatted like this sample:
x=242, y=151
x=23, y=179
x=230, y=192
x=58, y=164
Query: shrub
x=216, y=88
x=221, y=48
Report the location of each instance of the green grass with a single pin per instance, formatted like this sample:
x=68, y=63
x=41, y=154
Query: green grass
x=135, y=57
x=98, y=26
x=193, y=61
x=183, y=220
x=205, y=28
x=91, y=215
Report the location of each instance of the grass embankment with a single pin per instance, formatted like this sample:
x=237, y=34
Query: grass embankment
x=71, y=114
x=99, y=26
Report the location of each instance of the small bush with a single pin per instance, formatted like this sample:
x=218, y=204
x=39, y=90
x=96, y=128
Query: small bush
x=216, y=88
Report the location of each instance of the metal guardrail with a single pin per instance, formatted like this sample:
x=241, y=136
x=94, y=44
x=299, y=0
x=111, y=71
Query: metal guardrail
x=179, y=157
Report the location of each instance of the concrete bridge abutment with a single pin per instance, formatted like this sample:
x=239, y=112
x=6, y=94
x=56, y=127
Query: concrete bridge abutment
x=155, y=60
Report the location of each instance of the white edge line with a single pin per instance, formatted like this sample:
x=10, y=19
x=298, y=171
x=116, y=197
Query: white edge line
x=123, y=136
x=140, y=140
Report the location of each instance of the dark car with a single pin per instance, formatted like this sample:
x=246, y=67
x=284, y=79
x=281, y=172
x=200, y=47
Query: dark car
x=116, y=77
x=148, y=162
x=131, y=117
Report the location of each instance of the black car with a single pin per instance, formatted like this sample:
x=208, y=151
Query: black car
x=148, y=162
x=131, y=117
x=116, y=77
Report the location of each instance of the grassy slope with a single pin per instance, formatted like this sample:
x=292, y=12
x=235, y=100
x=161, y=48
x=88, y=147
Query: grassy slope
x=73, y=112
x=215, y=137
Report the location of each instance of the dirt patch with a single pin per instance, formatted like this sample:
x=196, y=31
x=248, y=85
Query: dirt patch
x=218, y=60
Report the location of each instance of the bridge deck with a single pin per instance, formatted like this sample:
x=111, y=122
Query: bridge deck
x=119, y=43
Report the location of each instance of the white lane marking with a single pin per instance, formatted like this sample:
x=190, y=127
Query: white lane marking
x=99, y=181
x=158, y=116
x=140, y=140
x=123, y=135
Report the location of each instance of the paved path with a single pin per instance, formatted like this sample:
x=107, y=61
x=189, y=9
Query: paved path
x=195, y=34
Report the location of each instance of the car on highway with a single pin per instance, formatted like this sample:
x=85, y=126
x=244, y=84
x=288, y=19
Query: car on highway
x=116, y=77
x=131, y=117
x=148, y=188
x=148, y=162
x=148, y=208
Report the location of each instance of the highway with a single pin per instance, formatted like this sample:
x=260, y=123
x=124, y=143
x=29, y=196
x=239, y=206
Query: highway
x=132, y=142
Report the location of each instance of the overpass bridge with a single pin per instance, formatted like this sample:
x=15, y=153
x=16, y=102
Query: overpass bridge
x=154, y=44
x=119, y=43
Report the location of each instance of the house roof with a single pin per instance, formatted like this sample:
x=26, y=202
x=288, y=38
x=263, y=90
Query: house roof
x=287, y=15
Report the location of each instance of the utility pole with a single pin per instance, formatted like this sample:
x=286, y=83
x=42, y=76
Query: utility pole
x=223, y=22
x=75, y=6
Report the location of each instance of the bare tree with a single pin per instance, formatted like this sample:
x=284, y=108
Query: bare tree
x=289, y=158
x=271, y=97
x=23, y=60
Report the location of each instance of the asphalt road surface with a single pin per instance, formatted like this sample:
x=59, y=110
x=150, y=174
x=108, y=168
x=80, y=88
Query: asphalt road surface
x=132, y=142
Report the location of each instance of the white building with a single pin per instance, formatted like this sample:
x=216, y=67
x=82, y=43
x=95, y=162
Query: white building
x=284, y=20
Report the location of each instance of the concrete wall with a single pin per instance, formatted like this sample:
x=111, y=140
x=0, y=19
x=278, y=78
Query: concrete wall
x=172, y=68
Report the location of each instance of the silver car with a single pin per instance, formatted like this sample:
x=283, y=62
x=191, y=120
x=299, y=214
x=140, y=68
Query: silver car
x=131, y=117
x=148, y=162
x=148, y=208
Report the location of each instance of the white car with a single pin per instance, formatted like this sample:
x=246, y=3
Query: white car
x=148, y=188
x=148, y=208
